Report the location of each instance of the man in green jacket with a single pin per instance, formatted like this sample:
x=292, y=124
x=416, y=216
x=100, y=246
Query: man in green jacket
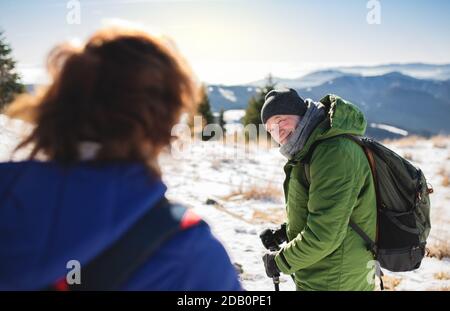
x=321, y=249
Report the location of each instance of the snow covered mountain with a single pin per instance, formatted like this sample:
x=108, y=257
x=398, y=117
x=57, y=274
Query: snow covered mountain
x=416, y=70
x=412, y=97
x=418, y=106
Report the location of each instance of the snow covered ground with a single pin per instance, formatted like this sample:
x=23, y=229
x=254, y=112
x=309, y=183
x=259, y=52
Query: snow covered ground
x=229, y=175
x=239, y=193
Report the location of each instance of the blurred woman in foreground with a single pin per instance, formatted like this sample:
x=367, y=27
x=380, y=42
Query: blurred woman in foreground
x=98, y=199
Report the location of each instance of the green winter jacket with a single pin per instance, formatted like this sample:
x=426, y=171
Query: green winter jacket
x=323, y=251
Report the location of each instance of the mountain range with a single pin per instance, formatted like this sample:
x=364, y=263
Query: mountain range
x=412, y=97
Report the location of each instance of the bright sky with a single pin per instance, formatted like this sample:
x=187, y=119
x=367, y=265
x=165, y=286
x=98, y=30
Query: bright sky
x=232, y=41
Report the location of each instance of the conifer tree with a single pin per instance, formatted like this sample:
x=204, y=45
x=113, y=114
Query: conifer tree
x=253, y=111
x=222, y=121
x=10, y=84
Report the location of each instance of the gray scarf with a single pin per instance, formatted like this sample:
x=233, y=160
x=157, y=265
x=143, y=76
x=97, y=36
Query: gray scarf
x=313, y=116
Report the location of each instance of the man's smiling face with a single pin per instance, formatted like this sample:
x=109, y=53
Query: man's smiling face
x=281, y=127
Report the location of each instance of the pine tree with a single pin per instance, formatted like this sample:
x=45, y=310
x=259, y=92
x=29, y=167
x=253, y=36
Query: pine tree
x=222, y=121
x=253, y=111
x=10, y=84
x=203, y=110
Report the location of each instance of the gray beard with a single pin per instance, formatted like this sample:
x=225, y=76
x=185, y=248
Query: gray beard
x=296, y=141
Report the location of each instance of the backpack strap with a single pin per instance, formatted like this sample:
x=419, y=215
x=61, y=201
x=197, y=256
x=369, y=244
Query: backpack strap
x=371, y=245
x=113, y=267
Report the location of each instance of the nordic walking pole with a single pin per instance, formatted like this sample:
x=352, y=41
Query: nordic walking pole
x=275, y=279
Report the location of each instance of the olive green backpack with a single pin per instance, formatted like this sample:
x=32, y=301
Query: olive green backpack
x=403, y=206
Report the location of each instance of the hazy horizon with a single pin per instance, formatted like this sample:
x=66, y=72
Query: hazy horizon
x=37, y=76
x=240, y=41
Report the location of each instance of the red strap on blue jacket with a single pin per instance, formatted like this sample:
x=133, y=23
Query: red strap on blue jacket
x=114, y=266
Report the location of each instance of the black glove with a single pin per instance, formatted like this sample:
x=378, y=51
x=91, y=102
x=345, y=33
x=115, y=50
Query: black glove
x=272, y=238
x=270, y=265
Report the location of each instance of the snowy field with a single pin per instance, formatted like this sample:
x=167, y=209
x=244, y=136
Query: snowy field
x=238, y=192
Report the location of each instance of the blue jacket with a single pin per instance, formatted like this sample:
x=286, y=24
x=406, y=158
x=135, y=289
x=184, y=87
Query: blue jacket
x=50, y=215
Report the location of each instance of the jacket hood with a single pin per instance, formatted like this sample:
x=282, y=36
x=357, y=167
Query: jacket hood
x=50, y=214
x=342, y=117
